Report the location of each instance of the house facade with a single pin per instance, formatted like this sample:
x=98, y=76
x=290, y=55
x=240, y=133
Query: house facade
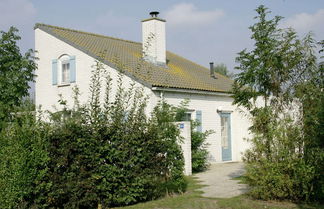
x=66, y=58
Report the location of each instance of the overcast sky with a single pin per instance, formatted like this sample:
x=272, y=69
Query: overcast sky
x=202, y=31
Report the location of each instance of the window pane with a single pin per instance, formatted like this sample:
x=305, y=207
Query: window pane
x=187, y=117
x=224, y=132
x=65, y=72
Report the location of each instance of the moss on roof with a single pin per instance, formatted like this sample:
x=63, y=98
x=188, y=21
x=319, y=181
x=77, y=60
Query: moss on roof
x=180, y=73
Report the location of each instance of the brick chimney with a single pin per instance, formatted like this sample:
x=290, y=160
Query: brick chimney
x=153, y=35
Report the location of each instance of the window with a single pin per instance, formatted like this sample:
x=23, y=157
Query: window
x=64, y=69
x=224, y=132
x=199, y=120
x=187, y=116
x=65, y=72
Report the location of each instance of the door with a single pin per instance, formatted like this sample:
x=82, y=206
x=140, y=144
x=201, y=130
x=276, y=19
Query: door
x=226, y=136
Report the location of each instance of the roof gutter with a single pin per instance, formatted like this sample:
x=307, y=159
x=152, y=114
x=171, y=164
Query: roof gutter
x=191, y=91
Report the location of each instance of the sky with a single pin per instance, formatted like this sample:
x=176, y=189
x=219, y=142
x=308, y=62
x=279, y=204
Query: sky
x=202, y=31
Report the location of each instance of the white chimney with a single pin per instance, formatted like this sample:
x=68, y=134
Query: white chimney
x=153, y=34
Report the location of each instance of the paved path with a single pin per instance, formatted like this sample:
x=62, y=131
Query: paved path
x=219, y=180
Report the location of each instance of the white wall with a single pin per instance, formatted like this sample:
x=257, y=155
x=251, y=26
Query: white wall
x=209, y=104
x=185, y=133
x=49, y=48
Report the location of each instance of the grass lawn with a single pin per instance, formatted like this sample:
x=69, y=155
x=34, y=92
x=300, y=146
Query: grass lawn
x=192, y=200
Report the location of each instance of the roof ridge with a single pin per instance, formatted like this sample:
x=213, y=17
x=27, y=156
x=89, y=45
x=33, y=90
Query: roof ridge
x=39, y=25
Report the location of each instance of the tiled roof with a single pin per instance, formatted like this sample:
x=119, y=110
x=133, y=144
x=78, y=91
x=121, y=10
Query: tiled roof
x=126, y=55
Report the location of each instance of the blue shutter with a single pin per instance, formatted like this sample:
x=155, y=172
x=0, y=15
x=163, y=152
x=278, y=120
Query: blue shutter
x=54, y=72
x=72, y=69
x=199, y=119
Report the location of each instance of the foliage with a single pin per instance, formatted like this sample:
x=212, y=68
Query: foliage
x=310, y=94
x=321, y=43
x=16, y=70
x=97, y=155
x=199, y=152
x=281, y=85
x=222, y=69
x=23, y=154
x=109, y=153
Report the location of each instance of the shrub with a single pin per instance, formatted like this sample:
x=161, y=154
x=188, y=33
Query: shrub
x=106, y=154
x=281, y=172
x=23, y=154
x=100, y=154
x=199, y=153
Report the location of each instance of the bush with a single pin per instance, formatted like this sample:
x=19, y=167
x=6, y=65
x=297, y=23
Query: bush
x=23, y=154
x=199, y=153
x=281, y=172
x=101, y=154
x=110, y=154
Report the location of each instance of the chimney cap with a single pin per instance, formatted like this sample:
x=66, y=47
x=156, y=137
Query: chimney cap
x=154, y=13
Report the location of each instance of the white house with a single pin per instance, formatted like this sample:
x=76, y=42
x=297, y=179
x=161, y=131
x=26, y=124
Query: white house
x=66, y=58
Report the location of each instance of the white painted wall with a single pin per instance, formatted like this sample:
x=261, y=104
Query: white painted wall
x=185, y=133
x=209, y=104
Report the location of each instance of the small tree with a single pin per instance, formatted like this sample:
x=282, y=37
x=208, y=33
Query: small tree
x=222, y=69
x=272, y=85
x=16, y=70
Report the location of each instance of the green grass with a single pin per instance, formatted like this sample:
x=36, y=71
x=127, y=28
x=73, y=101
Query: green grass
x=192, y=199
x=244, y=202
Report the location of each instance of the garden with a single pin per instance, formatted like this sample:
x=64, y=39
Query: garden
x=109, y=153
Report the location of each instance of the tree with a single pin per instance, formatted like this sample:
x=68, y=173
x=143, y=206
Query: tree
x=280, y=84
x=321, y=43
x=222, y=69
x=16, y=70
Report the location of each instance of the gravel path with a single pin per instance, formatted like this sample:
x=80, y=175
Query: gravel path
x=219, y=180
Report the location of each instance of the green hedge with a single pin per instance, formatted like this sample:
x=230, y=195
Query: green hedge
x=23, y=159
x=101, y=154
